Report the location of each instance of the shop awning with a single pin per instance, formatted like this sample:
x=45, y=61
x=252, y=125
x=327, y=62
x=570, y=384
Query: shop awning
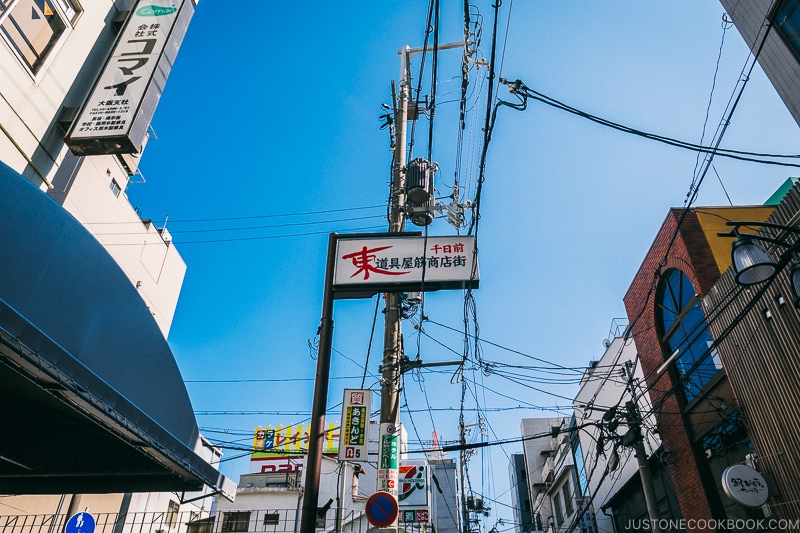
x=91, y=395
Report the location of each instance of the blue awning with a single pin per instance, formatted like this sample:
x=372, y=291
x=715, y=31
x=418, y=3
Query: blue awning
x=91, y=395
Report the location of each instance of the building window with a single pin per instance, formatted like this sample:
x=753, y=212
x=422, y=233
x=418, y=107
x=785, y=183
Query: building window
x=567, y=499
x=115, y=188
x=577, y=454
x=683, y=327
x=235, y=521
x=200, y=525
x=172, y=514
x=557, y=508
x=787, y=20
x=272, y=519
x=35, y=28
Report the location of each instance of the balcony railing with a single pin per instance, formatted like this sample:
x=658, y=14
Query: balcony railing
x=233, y=521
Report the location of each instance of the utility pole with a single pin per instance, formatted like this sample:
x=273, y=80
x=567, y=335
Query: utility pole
x=392, y=336
x=388, y=446
x=465, y=524
x=397, y=221
x=634, y=426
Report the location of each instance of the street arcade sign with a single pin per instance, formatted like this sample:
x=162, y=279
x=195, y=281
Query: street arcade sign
x=369, y=264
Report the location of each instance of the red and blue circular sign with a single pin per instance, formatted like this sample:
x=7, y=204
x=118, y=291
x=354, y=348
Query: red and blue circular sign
x=381, y=509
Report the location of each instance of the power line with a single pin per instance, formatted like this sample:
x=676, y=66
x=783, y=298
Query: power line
x=248, y=228
x=235, y=239
x=251, y=217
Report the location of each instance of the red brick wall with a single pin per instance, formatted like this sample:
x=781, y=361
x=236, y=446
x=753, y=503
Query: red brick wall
x=691, y=254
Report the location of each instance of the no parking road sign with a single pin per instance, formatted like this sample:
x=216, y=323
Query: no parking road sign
x=80, y=523
x=381, y=509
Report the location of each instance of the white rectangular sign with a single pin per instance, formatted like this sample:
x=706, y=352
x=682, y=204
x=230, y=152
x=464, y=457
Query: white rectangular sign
x=354, y=433
x=110, y=109
x=403, y=263
x=414, y=485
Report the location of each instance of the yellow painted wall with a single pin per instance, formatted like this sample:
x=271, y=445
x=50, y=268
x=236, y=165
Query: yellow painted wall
x=712, y=220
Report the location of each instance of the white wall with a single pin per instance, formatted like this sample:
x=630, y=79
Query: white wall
x=605, y=388
x=535, y=460
x=155, y=267
x=28, y=110
x=29, y=106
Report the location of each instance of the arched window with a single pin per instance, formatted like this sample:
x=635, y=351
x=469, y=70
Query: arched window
x=683, y=327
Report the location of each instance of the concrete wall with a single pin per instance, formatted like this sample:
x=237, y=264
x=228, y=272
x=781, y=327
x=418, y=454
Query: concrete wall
x=145, y=254
x=29, y=106
x=31, y=142
x=536, y=452
x=445, y=509
x=605, y=388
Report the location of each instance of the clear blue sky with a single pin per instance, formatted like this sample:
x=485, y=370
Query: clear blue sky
x=272, y=109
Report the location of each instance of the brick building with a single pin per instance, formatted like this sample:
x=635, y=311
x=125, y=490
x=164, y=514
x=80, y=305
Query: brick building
x=697, y=418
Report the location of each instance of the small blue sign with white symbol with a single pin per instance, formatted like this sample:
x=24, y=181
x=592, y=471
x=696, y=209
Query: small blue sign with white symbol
x=80, y=523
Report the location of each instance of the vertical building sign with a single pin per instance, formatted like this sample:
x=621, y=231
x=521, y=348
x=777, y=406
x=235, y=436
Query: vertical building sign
x=388, y=458
x=354, y=438
x=117, y=112
x=414, y=495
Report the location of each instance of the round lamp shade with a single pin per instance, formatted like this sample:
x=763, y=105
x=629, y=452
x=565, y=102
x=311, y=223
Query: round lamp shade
x=751, y=263
x=794, y=278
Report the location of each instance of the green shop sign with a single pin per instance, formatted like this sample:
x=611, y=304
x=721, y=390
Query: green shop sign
x=388, y=458
x=155, y=11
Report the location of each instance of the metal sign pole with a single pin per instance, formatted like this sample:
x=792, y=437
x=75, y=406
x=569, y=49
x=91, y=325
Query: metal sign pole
x=316, y=440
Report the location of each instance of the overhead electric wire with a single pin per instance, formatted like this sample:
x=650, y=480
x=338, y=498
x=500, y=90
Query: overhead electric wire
x=434, y=77
x=238, y=239
x=251, y=217
x=237, y=412
x=553, y=364
x=247, y=228
x=754, y=157
x=428, y=29
x=499, y=442
x=261, y=380
x=419, y=438
x=371, y=336
x=487, y=129
x=698, y=178
x=711, y=94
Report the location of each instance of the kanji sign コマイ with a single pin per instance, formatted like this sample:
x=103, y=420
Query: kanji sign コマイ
x=114, y=104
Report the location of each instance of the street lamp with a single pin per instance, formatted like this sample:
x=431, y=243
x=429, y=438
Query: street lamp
x=752, y=265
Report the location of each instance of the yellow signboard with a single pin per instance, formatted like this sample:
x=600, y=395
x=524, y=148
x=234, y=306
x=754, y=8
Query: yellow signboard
x=282, y=441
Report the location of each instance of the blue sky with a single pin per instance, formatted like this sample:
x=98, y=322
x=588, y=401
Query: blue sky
x=273, y=110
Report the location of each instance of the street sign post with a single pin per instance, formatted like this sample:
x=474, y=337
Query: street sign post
x=359, y=266
x=381, y=509
x=80, y=523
